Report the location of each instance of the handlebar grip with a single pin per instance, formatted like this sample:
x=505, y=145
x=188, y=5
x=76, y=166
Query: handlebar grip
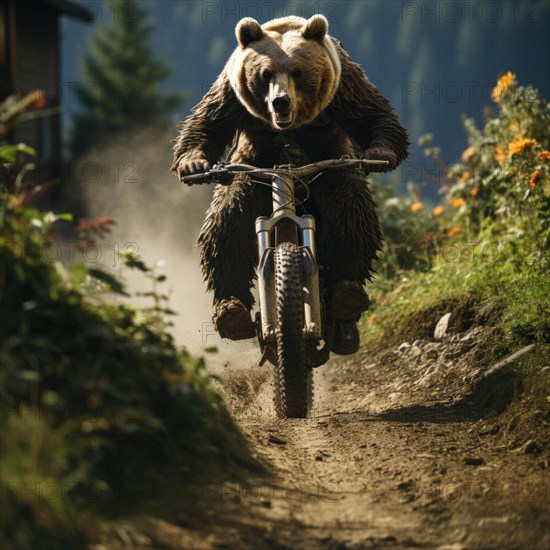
x=217, y=175
x=195, y=178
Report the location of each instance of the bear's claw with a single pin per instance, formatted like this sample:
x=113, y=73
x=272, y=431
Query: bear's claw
x=381, y=153
x=193, y=166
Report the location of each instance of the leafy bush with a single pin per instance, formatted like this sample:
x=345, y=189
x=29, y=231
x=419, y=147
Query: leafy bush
x=94, y=394
x=411, y=231
x=489, y=245
x=502, y=185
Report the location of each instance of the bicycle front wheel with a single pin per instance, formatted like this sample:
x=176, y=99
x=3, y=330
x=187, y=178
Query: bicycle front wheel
x=293, y=376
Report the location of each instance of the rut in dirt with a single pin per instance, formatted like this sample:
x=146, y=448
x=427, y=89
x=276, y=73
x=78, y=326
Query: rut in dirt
x=399, y=452
x=413, y=447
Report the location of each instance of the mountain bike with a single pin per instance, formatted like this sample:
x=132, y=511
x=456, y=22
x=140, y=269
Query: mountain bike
x=294, y=330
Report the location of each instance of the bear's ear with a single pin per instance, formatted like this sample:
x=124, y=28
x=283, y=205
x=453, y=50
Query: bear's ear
x=248, y=30
x=315, y=28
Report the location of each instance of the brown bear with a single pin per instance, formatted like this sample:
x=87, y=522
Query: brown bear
x=290, y=92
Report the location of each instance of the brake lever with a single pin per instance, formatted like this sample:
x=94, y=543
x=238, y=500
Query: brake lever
x=221, y=175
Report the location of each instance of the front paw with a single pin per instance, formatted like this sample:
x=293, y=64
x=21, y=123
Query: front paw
x=193, y=165
x=381, y=153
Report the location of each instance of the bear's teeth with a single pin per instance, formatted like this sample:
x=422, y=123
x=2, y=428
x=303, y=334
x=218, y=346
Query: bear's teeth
x=283, y=119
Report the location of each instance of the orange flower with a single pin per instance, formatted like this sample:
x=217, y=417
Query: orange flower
x=438, y=210
x=40, y=101
x=372, y=319
x=500, y=155
x=474, y=192
x=519, y=145
x=34, y=100
x=468, y=154
x=465, y=176
x=535, y=177
x=504, y=82
x=517, y=129
x=416, y=206
x=457, y=203
x=453, y=231
x=95, y=400
x=545, y=155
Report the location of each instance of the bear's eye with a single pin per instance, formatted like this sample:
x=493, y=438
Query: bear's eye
x=297, y=73
x=266, y=75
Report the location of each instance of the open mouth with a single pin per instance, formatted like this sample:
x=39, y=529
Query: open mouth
x=282, y=120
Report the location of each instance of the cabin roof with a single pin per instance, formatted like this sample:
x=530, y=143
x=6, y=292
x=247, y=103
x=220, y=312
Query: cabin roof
x=66, y=7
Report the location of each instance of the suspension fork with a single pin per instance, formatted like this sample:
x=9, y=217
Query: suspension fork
x=285, y=226
x=312, y=291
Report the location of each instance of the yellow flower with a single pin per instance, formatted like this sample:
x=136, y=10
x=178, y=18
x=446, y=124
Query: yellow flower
x=535, y=177
x=457, y=203
x=519, y=145
x=416, y=206
x=545, y=155
x=474, y=192
x=453, y=231
x=504, y=82
x=500, y=155
x=468, y=154
x=438, y=210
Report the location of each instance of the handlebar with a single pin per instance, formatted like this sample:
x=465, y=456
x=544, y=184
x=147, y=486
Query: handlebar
x=223, y=171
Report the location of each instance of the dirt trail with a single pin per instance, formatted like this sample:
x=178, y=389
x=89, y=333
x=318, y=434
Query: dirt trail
x=397, y=454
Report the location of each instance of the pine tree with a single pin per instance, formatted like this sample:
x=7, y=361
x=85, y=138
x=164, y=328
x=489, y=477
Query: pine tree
x=120, y=89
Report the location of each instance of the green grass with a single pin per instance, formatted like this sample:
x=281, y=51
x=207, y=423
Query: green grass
x=509, y=292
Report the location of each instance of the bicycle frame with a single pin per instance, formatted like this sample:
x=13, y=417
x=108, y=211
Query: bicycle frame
x=285, y=226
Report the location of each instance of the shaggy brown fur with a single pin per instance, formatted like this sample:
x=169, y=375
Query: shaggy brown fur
x=319, y=77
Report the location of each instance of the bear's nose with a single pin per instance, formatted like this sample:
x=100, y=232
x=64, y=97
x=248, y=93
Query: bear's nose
x=281, y=103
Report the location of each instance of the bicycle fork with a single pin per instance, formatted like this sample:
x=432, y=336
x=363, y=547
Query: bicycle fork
x=285, y=225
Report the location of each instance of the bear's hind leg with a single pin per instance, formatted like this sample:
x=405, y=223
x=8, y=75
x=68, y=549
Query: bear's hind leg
x=349, y=238
x=348, y=231
x=229, y=255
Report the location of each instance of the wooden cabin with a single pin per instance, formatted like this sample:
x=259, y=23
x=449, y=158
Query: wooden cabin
x=30, y=60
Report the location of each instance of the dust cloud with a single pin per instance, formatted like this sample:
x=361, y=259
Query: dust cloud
x=160, y=218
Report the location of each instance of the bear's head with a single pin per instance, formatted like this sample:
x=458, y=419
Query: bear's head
x=286, y=71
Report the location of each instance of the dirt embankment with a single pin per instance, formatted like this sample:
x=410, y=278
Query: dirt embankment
x=415, y=447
